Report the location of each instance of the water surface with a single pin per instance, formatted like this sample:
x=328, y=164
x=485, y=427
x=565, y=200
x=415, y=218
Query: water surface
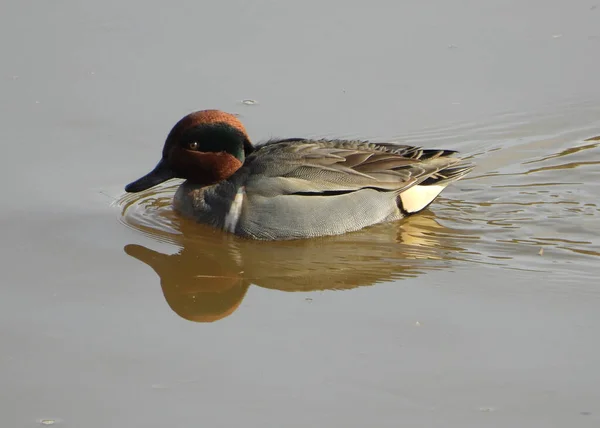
x=480, y=311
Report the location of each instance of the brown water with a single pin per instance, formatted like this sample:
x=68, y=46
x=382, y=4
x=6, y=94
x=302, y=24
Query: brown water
x=482, y=311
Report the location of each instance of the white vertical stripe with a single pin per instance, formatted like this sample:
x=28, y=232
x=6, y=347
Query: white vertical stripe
x=235, y=210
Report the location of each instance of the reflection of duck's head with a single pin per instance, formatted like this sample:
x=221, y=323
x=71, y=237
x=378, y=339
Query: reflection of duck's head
x=195, y=288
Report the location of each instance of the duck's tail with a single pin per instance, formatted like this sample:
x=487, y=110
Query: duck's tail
x=420, y=196
x=448, y=175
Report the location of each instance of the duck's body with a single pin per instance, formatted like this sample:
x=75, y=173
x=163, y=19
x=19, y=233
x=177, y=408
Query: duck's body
x=295, y=188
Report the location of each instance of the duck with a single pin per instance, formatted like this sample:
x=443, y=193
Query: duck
x=294, y=188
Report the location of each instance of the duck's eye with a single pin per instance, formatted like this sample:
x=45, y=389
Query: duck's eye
x=193, y=145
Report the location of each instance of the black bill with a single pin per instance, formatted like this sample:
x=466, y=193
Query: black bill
x=159, y=174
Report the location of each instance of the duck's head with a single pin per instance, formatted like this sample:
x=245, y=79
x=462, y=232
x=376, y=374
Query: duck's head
x=204, y=147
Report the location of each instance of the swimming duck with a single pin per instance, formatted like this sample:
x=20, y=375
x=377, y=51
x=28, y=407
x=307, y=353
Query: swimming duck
x=294, y=188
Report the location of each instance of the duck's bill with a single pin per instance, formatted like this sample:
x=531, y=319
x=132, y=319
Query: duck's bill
x=159, y=174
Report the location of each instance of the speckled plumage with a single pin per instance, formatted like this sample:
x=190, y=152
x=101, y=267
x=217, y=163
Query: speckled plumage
x=294, y=188
x=308, y=188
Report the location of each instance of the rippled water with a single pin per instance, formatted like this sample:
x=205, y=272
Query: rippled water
x=452, y=318
x=530, y=205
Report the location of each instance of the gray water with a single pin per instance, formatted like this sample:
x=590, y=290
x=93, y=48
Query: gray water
x=480, y=311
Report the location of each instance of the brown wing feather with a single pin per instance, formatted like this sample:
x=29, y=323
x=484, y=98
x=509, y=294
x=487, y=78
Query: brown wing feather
x=340, y=165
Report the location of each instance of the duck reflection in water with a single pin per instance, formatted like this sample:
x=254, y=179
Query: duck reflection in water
x=207, y=279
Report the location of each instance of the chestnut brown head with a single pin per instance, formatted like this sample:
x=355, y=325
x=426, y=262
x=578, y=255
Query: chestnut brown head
x=204, y=147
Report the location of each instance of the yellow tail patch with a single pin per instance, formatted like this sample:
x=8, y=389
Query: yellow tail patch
x=418, y=197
